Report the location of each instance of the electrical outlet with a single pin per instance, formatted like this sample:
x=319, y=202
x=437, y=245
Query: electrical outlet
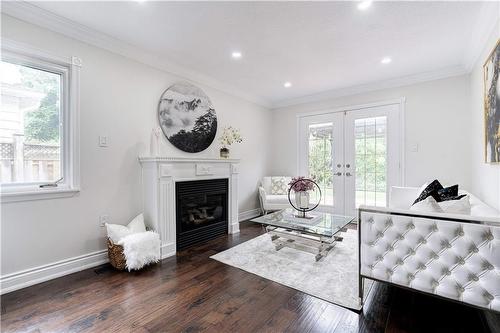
x=414, y=147
x=103, y=219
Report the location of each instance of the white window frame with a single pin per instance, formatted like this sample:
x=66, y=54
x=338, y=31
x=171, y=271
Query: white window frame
x=69, y=69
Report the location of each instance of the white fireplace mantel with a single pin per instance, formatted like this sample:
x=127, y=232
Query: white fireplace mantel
x=159, y=175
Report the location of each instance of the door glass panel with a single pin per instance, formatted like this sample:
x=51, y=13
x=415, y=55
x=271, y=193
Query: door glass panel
x=371, y=161
x=321, y=161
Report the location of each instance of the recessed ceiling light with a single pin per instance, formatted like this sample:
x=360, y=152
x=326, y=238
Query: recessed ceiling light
x=287, y=84
x=386, y=60
x=363, y=5
x=236, y=55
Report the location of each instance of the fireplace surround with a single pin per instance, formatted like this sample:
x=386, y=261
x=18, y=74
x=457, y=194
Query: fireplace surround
x=160, y=177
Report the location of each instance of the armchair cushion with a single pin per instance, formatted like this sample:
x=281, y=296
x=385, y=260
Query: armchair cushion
x=277, y=199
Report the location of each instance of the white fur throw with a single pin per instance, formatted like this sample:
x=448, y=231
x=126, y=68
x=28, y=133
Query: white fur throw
x=140, y=249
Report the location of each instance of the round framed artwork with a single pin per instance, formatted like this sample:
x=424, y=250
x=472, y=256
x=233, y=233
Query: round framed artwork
x=187, y=117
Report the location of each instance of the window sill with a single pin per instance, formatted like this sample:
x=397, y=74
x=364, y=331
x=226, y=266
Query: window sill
x=19, y=195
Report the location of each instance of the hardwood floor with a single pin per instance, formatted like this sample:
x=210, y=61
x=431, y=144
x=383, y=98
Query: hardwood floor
x=192, y=293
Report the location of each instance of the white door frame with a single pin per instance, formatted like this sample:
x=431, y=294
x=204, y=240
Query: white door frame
x=391, y=112
x=330, y=114
x=338, y=154
x=402, y=128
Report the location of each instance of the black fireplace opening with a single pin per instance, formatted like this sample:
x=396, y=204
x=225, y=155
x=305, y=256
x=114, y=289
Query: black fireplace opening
x=201, y=210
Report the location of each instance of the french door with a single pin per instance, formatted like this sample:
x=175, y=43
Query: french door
x=353, y=155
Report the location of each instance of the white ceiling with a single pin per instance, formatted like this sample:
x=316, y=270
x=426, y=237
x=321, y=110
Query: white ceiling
x=318, y=46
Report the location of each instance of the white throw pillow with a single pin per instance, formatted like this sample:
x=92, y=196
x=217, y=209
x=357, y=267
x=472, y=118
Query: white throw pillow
x=137, y=224
x=403, y=197
x=117, y=231
x=461, y=206
x=279, y=185
x=428, y=205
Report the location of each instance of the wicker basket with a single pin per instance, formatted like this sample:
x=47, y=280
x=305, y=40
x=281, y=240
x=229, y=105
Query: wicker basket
x=116, y=256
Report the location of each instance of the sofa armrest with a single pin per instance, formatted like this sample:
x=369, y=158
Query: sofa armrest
x=262, y=199
x=262, y=192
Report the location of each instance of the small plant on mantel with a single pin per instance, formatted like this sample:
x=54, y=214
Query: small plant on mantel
x=229, y=136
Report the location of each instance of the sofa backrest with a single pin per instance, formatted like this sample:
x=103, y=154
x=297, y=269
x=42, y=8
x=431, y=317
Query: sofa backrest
x=403, y=198
x=267, y=181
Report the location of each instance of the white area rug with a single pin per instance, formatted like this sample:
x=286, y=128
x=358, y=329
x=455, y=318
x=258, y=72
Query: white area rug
x=334, y=279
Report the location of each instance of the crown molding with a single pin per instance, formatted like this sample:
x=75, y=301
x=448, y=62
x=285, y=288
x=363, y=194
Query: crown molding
x=373, y=86
x=35, y=15
x=486, y=24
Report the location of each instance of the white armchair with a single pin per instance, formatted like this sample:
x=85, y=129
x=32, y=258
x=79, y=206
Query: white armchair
x=269, y=201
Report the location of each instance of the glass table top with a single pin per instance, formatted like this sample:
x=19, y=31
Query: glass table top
x=320, y=224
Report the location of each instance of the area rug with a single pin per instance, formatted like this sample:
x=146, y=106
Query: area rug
x=334, y=279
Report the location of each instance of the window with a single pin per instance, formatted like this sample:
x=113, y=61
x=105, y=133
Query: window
x=371, y=161
x=320, y=160
x=38, y=113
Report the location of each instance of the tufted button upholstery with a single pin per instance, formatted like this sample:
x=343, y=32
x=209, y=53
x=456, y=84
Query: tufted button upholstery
x=460, y=261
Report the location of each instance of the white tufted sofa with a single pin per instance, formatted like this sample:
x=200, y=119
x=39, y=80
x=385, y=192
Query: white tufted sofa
x=452, y=256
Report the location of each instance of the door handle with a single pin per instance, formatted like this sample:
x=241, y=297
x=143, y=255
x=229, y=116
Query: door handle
x=348, y=174
x=338, y=174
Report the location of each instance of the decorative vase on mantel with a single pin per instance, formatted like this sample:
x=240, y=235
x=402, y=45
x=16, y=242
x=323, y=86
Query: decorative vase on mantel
x=229, y=136
x=224, y=152
x=154, y=144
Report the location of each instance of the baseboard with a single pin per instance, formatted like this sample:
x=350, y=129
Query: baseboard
x=29, y=277
x=249, y=214
x=167, y=250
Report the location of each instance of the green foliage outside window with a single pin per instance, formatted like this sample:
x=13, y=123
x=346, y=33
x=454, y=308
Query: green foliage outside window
x=42, y=125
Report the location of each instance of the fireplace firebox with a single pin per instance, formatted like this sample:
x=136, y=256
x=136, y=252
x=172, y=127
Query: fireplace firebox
x=201, y=210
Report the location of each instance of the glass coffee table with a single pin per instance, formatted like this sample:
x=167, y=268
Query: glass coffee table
x=318, y=234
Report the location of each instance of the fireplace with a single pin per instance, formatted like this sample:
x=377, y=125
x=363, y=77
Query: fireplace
x=201, y=210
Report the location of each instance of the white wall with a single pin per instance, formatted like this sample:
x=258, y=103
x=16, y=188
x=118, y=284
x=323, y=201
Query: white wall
x=119, y=99
x=437, y=116
x=485, y=177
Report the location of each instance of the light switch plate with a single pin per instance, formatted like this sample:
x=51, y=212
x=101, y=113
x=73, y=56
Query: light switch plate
x=103, y=141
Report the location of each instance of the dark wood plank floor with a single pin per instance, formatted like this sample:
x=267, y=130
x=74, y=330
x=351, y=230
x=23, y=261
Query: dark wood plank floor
x=192, y=293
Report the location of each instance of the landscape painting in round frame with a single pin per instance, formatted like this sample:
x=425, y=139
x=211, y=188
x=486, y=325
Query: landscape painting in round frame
x=187, y=117
x=492, y=106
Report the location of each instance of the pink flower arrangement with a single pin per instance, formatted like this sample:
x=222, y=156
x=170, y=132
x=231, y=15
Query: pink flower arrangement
x=301, y=184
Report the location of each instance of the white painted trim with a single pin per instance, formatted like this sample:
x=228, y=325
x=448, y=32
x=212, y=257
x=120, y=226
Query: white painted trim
x=35, y=15
x=38, y=194
x=373, y=86
x=29, y=277
x=346, y=108
x=22, y=48
x=167, y=250
x=401, y=102
x=187, y=159
x=249, y=214
x=402, y=138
